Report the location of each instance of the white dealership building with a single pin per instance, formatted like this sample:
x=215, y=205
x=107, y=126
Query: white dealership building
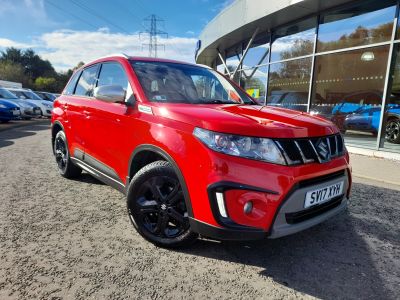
x=336, y=59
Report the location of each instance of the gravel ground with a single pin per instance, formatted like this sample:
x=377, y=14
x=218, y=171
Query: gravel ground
x=73, y=239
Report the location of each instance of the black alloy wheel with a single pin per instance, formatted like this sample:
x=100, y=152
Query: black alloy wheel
x=61, y=153
x=393, y=131
x=156, y=206
x=65, y=167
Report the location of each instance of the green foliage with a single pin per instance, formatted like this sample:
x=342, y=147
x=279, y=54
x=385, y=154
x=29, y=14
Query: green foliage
x=11, y=71
x=32, y=71
x=45, y=83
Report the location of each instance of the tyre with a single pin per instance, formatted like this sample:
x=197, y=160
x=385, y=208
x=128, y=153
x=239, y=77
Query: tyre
x=393, y=131
x=64, y=164
x=156, y=206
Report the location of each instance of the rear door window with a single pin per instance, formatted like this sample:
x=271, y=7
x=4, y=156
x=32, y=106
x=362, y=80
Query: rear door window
x=86, y=82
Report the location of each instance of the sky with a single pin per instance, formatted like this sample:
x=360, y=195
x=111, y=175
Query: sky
x=69, y=31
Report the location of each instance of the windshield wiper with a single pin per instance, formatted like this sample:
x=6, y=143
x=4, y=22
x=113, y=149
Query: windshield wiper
x=216, y=101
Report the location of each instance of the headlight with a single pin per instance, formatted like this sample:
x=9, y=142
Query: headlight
x=248, y=147
x=3, y=106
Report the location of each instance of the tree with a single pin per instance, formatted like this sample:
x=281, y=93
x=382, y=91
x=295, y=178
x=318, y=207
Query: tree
x=11, y=71
x=35, y=66
x=80, y=64
x=12, y=54
x=32, y=64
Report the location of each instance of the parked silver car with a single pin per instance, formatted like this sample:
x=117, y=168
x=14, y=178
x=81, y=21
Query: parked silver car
x=45, y=106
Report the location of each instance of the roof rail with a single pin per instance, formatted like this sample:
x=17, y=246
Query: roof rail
x=116, y=54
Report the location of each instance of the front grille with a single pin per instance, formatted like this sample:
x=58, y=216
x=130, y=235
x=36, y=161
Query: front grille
x=304, y=215
x=309, y=150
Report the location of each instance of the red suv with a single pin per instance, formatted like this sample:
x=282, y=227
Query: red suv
x=194, y=154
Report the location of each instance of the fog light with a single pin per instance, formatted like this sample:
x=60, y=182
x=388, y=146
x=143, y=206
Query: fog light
x=221, y=204
x=248, y=207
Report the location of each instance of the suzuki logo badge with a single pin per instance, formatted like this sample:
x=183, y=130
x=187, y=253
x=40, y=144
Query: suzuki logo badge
x=323, y=150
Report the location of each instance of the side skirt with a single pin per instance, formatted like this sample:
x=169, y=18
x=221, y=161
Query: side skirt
x=118, y=185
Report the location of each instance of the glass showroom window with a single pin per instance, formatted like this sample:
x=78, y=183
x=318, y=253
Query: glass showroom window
x=289, y=83
x=391, y=127
x=294, y=40
x=348, y=89
x=233, y=56
x=253, y=81
x=369, y=23
x=258, y=52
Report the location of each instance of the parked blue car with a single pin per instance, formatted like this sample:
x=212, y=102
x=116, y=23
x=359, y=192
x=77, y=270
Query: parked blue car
x=28, y=109
x=8, y=111
x=367, y=118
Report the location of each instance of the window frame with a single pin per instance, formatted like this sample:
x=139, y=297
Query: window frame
x=95, y=79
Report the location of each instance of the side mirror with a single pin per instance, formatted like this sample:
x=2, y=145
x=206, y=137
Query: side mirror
x=110, y=93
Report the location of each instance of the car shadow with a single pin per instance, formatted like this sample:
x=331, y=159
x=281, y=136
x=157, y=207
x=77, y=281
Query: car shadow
x=8, y=137
x=87, y=178
x=5, y=143
x=338, y=259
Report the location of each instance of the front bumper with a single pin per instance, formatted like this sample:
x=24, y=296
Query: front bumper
x=288, y=218
x=291, y=216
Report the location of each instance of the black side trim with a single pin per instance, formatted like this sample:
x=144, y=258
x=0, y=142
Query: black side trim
x=117, y=184
x=168, y=158
x=103, y=168
x=304, y=215
x=223, y=186
x=229, y=234
x=79, y=154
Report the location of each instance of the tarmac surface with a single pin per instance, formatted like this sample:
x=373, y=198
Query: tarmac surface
x=73, y=239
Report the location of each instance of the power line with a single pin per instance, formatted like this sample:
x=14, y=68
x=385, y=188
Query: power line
x=153, y=32
x=128, y=11
x=65, y=12
x=142, y=6
x=94, y=13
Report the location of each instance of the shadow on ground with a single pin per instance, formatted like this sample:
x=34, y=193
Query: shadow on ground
x=8, y=137
x=87, y=178
x=339, y=259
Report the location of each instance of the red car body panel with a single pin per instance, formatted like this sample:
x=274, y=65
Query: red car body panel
x=110, y=133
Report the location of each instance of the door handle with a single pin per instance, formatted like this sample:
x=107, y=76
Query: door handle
x=86, y=113
x=65, y=106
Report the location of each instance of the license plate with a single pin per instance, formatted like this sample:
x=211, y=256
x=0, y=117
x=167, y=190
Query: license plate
x=16, y=112
x=324, y=194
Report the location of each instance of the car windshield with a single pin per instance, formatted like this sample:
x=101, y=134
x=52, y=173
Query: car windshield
x=4, y=94
x=180, y=83
x=31, y=95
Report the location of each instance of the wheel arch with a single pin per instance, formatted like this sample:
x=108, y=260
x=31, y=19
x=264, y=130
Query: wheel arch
x=152, y=152
x=55, y=128
x=392, y=117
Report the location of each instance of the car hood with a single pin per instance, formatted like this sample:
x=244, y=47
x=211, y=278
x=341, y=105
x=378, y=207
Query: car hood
x=8, y=103
x=250, y=120
x=18, y=102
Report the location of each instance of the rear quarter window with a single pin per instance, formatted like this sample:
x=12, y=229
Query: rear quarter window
x=70, y=88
